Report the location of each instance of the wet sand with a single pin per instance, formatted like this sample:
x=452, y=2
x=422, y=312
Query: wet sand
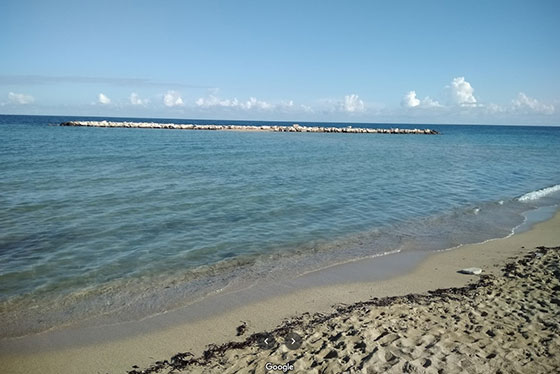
x=433, y=329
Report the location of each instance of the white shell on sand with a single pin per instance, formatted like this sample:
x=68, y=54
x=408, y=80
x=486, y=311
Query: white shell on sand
x=475, y=271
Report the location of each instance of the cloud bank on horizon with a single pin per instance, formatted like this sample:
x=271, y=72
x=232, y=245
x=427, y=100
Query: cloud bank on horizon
x=20, y=98
x=459, y=99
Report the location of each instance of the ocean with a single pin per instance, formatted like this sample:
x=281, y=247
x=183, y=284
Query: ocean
x=118, y=224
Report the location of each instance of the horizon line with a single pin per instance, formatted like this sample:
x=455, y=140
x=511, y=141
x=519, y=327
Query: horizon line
x=282, y=121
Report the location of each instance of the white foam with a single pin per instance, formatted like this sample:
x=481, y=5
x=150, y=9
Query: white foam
x=534, y=195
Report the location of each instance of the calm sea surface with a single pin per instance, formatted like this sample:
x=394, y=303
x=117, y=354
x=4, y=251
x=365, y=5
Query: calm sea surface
x=131, y=222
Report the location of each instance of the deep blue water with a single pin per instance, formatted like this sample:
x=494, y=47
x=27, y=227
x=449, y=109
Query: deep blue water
x=136, y=221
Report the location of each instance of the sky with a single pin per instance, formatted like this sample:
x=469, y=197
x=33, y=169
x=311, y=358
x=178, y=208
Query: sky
x=480, y=62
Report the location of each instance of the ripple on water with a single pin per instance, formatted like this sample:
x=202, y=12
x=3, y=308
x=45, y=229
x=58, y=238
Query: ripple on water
x=125, y=222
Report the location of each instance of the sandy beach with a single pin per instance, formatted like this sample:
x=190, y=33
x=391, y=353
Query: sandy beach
x=503, y=320
x=507, y=323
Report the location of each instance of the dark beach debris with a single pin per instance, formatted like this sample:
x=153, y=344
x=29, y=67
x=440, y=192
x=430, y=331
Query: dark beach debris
x=332, y=354
x=427, y=363
x=241, y=329
x=182, y=361
x=382, y=335
x=335, y=337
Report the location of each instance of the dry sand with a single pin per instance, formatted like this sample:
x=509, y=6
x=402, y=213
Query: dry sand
x=496, y=322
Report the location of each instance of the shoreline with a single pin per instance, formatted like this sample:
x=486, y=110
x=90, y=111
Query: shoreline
x=362, y=269
x=166, y=338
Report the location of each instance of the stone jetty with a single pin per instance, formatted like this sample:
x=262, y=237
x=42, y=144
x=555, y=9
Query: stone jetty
x=292, y=128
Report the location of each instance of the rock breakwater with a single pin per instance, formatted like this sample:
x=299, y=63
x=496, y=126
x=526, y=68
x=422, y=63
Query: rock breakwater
x=292, y=128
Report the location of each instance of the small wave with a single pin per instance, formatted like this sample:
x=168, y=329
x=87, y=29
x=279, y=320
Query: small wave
x=535, y=195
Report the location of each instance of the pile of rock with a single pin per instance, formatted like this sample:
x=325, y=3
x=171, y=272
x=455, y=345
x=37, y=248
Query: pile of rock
x=292, y=128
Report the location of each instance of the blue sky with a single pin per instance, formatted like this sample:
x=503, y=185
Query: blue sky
x=356, y=61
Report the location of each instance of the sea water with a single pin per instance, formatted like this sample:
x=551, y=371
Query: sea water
x=119, y=224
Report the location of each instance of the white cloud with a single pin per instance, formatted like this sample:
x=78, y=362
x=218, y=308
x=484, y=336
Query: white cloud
x=529, y=104
x=287, y=104
x=19, y=98
x=428, y=102
x=290, y=106
x=172, y=98
x=212, y=101
x=462, y=93
x=495, y=108
x=353, y=104
x=102, y=99
x=411, y=101
x=136, y=100
x=306, y=108
x=257, y=104
x=252, y=104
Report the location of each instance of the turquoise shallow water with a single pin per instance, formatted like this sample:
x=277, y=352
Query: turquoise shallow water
x=130, y=222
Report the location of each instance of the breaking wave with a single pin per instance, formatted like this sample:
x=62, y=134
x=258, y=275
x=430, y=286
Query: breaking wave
x=535, y=195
